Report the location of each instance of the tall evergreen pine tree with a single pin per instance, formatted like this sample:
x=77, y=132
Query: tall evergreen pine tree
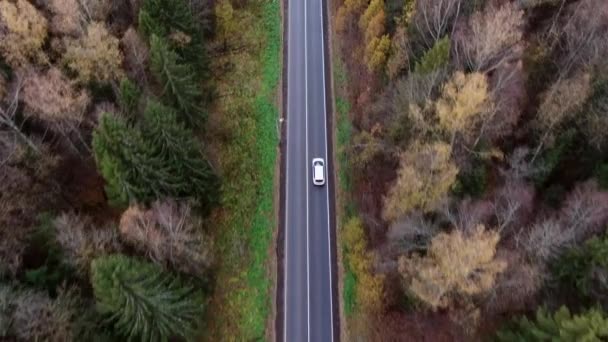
x=585, y=268
x=142, y=301
x=165, y=18
x=176, y=146
x=128, y=99
x=125, y=161
x=562, y=326
x=158, y=159
x=180, y=87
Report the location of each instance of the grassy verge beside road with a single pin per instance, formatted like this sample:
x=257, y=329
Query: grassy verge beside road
x=246, y=121
x=346, y=207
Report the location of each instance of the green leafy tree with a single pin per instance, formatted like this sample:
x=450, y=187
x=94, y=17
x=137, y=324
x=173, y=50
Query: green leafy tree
x=585, y=268
x=158, y=159
x=180, y=87
x=142, y=301
x=173, y=20
x=437, y=57
x=589, y=326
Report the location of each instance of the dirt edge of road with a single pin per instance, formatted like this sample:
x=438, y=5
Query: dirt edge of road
x=280, y=235
x=329, y=98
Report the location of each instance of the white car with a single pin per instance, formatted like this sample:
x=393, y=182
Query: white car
x=318, y=171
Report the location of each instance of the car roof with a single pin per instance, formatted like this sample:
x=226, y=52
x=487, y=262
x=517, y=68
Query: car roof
x=318, y=174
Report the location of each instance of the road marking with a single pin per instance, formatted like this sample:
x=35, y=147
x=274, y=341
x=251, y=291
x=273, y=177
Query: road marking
x=286, y=243
x=331, y=296
x=307, y=173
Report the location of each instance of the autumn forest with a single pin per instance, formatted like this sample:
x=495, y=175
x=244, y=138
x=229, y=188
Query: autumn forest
x=473, y=168
x=139, y=161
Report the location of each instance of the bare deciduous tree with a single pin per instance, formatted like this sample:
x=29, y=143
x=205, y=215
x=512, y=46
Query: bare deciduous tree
x=96, y=10
x=67, y=17
x=170, y=234
x=410, y=234
x=584, y=212
x=82, y=241
x=581, y=37
x=136, y=56
x=546, y=239
x=507, y=94
x=468, y=214
x=435, y=18
x=52, y=98
x=494, y=38
x=37, y=317
x=559, y=103
x=513, y=204
x=516, y=287
x=23, y=191
x=399, y=54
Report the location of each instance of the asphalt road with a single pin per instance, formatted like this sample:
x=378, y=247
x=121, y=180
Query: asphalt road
x=309, y=306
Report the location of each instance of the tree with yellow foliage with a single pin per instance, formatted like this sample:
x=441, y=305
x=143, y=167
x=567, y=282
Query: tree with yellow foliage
x=377, y=44
x=463, y=103
x=372, y=20
x=369, y=289
x=376, y=52
x=456, y=266
x=349, y=10
x=23, y=31
x=225, y=20
x=95, y=56
x=424, y=178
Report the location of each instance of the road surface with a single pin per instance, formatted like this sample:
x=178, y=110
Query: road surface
x=309, y=306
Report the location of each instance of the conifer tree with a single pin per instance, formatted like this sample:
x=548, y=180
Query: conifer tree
x=173, y=20
x=585, y=268
x=180, y=152
x=122, y=160
x=158, y=159
x=180, y=87
x=437, y=57
x=591, y=325
x=129, y=98
x=142, y=301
